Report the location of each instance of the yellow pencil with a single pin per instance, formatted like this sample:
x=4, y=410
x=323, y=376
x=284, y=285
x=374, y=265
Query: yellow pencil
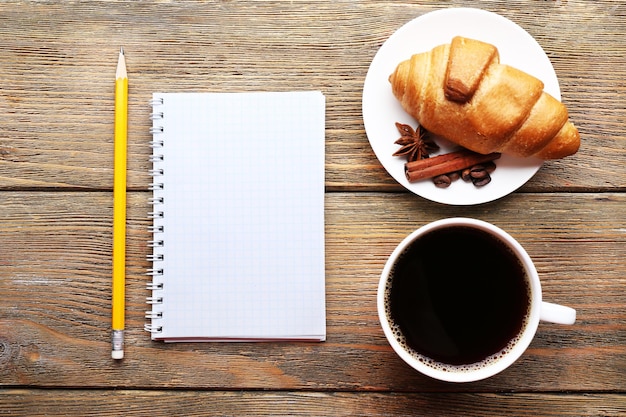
x=119, y=208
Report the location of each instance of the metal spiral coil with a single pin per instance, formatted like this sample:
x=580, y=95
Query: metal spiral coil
x=153, y=314
x=152, y=329
x=152, y=286
x=157, y=215
x=154, y=300
x=155, y=243
x=156, y=102
x=155, y=272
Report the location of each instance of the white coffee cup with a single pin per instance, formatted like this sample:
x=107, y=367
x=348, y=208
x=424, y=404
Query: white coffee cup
x=538, y=310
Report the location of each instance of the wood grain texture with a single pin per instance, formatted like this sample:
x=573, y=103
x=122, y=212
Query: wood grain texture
x=198, y=403
x=56, y=159
x=55, y=287
x=59, y=60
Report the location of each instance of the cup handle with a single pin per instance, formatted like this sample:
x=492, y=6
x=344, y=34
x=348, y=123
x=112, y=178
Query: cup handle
x=556, y=313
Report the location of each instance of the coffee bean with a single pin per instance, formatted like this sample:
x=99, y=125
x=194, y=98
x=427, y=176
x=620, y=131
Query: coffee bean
x=479, y=175
x=442, y=181
x=478, y=172
x=479, y=182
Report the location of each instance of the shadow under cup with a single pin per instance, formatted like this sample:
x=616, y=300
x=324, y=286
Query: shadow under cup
x=460, y=300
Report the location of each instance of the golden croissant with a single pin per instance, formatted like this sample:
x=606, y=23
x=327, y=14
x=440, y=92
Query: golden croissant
x=461, y=92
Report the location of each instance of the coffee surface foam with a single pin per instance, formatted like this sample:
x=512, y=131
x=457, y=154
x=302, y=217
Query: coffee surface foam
x=446, y=367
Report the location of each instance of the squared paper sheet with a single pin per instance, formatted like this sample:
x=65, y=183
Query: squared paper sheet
x=243, y=225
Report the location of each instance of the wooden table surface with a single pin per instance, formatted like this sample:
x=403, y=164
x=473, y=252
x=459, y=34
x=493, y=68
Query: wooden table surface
x=57, y=67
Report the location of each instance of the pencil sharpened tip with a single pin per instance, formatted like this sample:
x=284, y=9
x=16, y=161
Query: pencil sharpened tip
x=122, y=50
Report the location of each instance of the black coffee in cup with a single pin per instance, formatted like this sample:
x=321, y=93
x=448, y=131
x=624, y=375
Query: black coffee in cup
x=457, y=296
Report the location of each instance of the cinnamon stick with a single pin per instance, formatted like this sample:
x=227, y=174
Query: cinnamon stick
x=444, y=164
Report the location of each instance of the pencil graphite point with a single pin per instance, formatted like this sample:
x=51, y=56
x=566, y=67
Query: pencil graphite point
x=120, y=71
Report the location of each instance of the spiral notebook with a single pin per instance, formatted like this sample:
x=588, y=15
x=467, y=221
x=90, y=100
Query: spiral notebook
x=238, y=217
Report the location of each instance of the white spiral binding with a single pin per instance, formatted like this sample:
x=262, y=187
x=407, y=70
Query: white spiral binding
x=154, y=300
x=156, y=258
x=152, y=329
x=154, y=272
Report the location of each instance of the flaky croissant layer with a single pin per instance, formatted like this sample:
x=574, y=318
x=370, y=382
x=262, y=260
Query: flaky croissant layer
x=461, y=92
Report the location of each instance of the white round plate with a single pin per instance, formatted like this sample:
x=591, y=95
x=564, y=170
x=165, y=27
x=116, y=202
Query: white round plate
x=381, y=110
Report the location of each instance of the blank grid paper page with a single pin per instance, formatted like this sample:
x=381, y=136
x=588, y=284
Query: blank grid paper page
x=243, y=204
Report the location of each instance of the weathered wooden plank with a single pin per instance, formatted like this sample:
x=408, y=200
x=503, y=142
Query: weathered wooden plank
x=55, y=298
x=201, y=403
x=56, y=97
x=56, y=127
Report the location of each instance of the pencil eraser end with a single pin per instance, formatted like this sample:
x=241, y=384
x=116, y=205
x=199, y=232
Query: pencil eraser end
x=117, y=354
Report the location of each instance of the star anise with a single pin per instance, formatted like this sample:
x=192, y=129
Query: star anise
x=416, y=144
